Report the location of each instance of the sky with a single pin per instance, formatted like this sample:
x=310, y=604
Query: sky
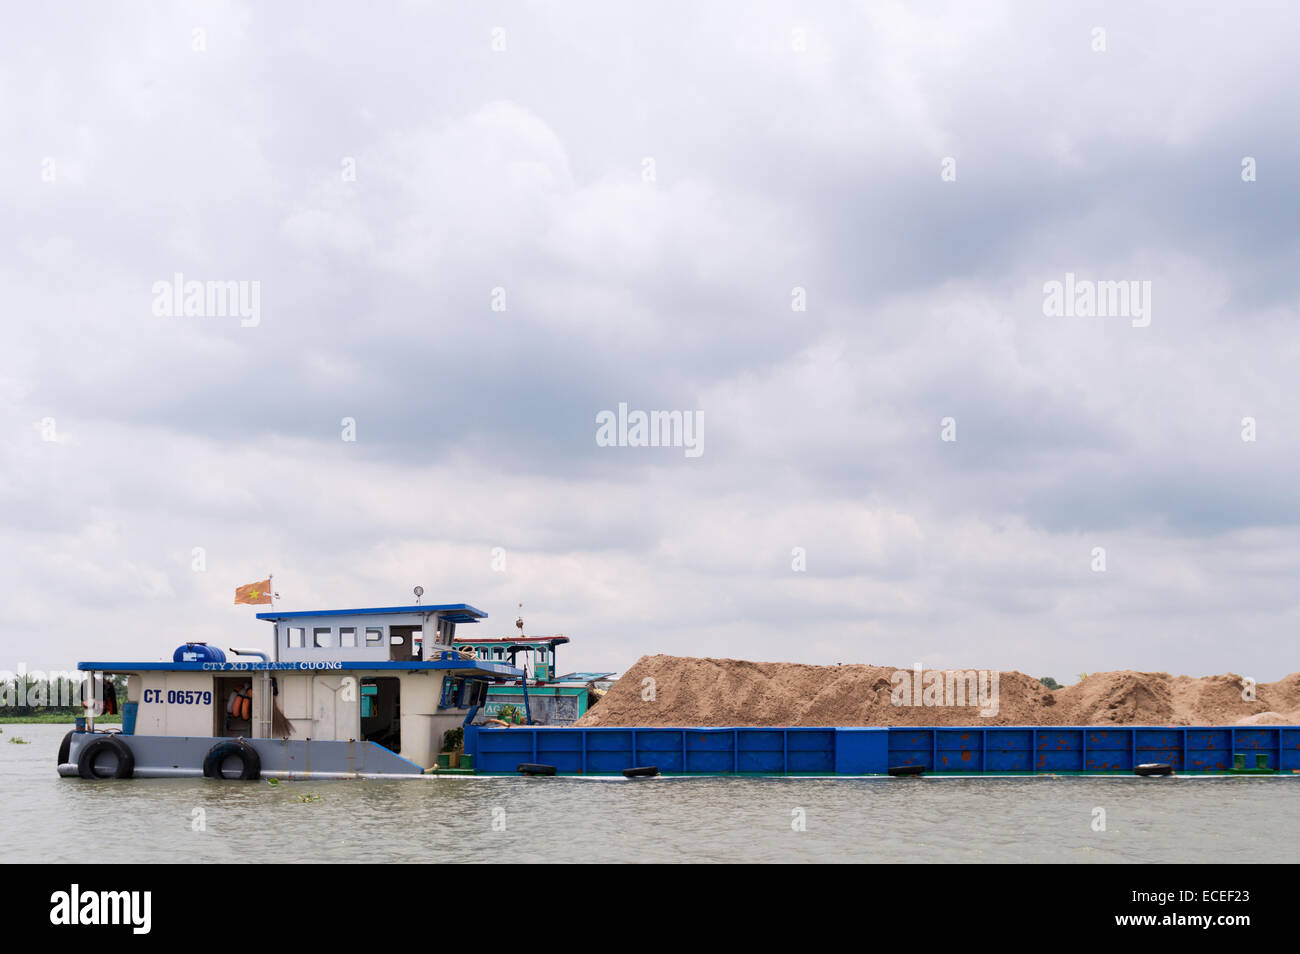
x=823, y=232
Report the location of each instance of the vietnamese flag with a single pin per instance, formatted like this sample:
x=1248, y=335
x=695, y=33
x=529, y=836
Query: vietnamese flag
x=254, y=593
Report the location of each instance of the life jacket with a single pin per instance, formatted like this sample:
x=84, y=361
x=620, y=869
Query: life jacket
x=240, y=705
x=108, y=699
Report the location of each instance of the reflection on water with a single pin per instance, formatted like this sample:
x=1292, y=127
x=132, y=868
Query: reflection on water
x=49, y=819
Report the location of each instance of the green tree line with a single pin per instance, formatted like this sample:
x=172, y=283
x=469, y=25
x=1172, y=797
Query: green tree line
x=25, y=695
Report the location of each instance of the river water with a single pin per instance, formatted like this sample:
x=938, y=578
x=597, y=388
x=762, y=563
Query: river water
x=48, y=819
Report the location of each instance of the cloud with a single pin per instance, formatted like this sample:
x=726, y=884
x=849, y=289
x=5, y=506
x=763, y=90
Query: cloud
x=647, y=192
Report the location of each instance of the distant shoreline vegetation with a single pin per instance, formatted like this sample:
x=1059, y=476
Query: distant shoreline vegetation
x=48, y=697
x=67, y=718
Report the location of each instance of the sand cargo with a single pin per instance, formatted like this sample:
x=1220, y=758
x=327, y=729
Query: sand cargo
x=664, y=690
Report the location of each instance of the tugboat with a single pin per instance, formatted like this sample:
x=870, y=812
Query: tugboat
x=348, y=693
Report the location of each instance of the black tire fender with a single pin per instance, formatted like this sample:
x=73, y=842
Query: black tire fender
x=534, y=768
x=1153, y=769
x=64, y=747
x=95, y=747
x=641, y=771
x=904, y=771
x=250, y=761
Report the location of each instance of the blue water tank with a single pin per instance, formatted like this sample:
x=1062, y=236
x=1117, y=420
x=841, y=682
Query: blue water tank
x=198, y=652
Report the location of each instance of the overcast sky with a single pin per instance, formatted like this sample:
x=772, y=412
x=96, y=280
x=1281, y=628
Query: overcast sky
x=646, y=188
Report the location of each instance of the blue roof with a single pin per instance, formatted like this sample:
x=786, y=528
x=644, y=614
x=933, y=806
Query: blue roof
x=478, y=666
x=456, y=612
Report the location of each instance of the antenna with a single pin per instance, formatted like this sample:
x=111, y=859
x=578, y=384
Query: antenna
x=419, y=591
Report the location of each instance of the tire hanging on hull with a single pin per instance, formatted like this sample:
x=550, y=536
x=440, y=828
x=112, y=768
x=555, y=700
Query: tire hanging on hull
x=1150, y=769
x=250, y=763
x=96, y=747
x=535, y=768
x=906, y=771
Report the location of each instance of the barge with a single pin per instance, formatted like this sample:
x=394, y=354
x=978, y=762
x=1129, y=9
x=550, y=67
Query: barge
x=1203, y=751
x=349, y=693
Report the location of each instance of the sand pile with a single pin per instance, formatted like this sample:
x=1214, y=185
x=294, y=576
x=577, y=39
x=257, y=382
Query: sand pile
x=699, y=691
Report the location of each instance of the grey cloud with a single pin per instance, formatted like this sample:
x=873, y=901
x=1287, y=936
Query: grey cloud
x=774, y=169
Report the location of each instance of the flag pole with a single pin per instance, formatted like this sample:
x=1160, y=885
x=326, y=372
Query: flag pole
x=270, y=586
x=268, y=701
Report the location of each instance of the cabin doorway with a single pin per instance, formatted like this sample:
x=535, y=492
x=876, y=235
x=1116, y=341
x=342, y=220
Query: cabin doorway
x=233, y=707
x=381, y=711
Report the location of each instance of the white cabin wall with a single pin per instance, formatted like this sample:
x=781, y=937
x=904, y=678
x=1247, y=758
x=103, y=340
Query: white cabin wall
x=336, y=706
x=362, y=651
x=263, y=698
x=419, y=701
x=175, y=718
x=427, y=723
x=321, y=705
x=296, y=702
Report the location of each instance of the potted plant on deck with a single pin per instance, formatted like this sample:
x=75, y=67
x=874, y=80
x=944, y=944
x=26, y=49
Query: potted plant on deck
x=453, y=743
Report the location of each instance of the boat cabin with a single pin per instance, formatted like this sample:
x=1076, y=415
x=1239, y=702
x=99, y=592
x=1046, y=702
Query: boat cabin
x=540, y=697
x=533, y=654
x=391, y=676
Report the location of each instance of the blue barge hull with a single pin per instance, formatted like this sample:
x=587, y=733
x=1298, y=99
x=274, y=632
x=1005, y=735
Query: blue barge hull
x=965, y=750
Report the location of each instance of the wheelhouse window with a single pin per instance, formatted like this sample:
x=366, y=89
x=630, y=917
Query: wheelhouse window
x=297, y=637
x=322, y=637
x=374, y=636
x=402, y=642
x=478, y=693
x=347, y=637
x=450, y=691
